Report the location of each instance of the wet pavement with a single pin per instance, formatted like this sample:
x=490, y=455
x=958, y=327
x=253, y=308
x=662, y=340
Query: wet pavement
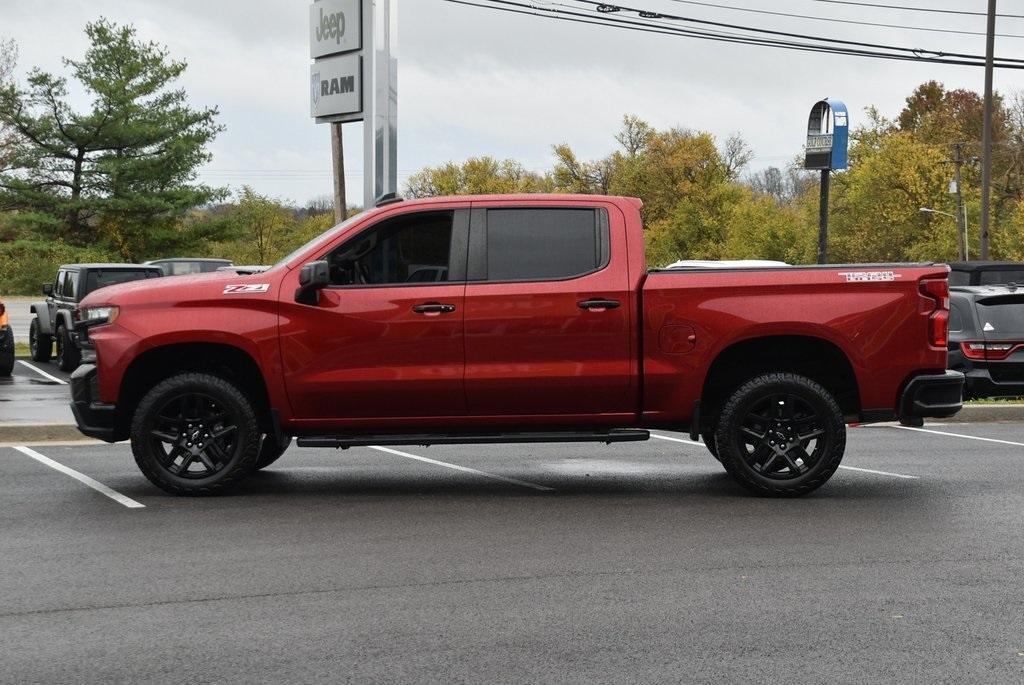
x=36, y=393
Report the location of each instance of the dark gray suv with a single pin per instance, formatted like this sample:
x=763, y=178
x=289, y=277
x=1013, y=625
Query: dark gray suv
x=55, y=317
x=986, y=339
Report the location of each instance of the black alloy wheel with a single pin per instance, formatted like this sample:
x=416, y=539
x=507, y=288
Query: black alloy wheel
x=195, y=434
x=781, y=435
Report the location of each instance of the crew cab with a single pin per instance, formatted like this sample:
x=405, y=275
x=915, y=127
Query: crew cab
x=540, y=323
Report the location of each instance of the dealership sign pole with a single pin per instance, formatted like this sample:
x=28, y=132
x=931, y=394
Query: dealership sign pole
x=354, y=77
x=827, y=147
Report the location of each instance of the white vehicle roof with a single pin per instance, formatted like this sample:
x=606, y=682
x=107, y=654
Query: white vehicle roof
x=724, y=264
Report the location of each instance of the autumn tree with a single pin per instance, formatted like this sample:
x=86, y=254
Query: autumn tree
x=476, y=176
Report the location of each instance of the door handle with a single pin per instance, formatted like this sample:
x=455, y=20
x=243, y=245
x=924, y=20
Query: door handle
x=598, y=304
x=434, y=308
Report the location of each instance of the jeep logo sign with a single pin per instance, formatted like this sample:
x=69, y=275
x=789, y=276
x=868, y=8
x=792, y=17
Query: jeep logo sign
x=335, y=26
x=336, y=86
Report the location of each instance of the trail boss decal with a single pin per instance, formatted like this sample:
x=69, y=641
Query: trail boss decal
x=246, y=289
x=869, y=276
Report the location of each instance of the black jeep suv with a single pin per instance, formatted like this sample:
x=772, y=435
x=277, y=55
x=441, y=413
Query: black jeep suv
x=54, y=319
x=986, y=339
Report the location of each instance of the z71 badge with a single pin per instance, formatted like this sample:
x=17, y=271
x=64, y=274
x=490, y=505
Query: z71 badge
x=246, y=289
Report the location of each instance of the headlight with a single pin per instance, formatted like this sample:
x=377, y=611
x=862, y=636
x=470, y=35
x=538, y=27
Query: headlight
x=109, y=313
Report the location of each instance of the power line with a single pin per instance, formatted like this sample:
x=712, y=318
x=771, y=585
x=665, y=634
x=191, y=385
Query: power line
x=915, y=9
x=836, y=20
x=534, y=10
x=606, y=8
x=604, y=11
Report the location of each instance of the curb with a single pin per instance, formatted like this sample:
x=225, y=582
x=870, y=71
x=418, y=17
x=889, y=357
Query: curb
x=61, y=432
x=39, y=432
x=985, y=413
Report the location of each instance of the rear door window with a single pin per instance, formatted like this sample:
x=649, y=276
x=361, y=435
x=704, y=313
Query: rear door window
x=70, y=279
x=541, y=244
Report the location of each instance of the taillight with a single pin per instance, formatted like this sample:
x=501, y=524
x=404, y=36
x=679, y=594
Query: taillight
x=937, y=290
x=989, y=351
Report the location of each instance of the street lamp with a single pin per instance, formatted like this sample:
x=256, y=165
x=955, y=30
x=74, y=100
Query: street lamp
x=960, y=238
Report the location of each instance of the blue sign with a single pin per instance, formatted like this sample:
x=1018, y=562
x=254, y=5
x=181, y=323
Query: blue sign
x=828, y=136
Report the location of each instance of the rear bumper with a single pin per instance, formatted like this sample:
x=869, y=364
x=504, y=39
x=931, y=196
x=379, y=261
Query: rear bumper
x=94, y=419
x=989, y=378
x=932, y=395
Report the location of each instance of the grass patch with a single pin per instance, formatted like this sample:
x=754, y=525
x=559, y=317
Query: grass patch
x=21, y=349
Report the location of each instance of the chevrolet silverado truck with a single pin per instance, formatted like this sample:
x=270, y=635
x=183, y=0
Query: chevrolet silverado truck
x=539, y=322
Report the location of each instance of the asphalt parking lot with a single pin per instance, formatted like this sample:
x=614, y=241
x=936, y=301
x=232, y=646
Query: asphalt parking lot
x=521, y=563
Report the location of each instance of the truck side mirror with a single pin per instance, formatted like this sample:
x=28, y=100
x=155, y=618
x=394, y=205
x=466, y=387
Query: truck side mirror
x=47, y=289
x=313, y=277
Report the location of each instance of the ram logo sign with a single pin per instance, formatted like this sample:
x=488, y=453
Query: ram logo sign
x=337, y=86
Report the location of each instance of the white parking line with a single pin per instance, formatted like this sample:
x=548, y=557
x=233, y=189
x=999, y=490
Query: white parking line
x=465, y=469
x=848, y=468
x=880, y=473
x=956, y=435
x=81, y=477
x=685, y=442
x=42, y=373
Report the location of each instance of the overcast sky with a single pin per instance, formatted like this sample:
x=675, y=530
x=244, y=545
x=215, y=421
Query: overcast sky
x=479, y=82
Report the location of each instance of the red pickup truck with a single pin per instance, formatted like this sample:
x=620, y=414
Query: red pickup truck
x=509, y=319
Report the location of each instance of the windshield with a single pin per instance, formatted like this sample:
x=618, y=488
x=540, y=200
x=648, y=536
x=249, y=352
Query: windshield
x=323, y=238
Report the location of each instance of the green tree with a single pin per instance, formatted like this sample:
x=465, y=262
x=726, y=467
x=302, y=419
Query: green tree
x=124, y=169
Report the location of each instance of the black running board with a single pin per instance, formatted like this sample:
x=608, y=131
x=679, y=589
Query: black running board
x=346, y=441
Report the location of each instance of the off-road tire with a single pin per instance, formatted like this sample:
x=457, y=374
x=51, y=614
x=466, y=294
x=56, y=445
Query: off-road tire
x=239, y=463
x=39, y=344
x=68, y=354
x=828, y=421
x=271, y=450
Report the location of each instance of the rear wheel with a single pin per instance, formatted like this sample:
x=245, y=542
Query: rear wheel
x=781, y=435
x=40, y=345
x=195, y=434
x=68, y=354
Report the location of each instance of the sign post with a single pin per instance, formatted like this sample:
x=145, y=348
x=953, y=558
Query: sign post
x=827, y=148
x=354, y=77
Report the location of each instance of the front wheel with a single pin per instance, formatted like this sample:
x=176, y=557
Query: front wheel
x=781, y=435
x=40, y=345
x=195, y=434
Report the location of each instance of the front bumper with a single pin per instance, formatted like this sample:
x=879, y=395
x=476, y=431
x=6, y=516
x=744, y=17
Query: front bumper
x=94, y=419
x=932, y=395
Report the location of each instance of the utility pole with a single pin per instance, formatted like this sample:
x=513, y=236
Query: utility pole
x=338, y=157
x=823, y=217
x=961, y=215
x=986, y=142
